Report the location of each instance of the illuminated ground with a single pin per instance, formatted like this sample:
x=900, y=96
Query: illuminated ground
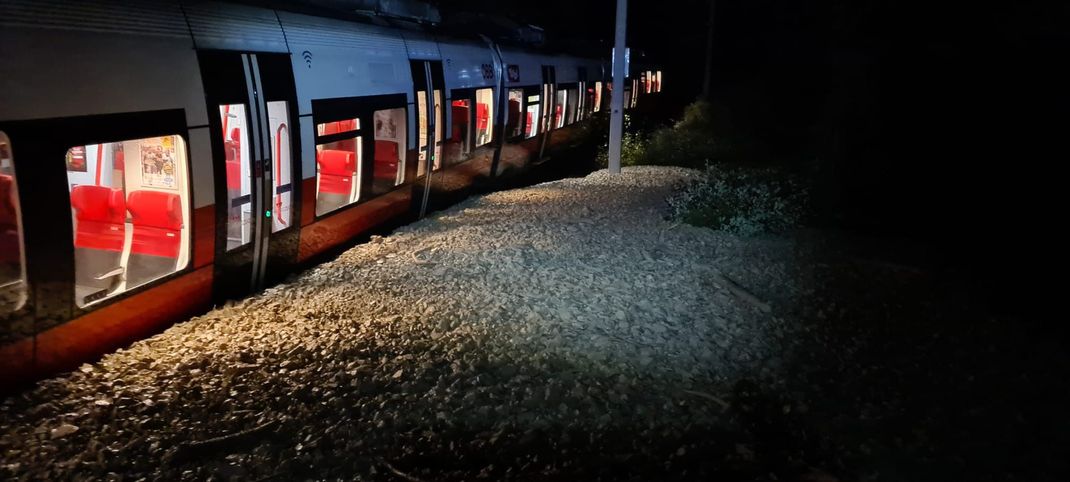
x=563, y=331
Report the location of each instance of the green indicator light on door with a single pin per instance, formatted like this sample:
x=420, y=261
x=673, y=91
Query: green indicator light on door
x=267, y=214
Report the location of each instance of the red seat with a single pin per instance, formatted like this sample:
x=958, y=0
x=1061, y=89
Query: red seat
x=9, y=230
x=157, y=220
x=482, y=116
x=7, y=202
x=100, y=212
x=557, y=115
x=527, y=123
x=336, y=170
x=386, y=160
x=232, y=147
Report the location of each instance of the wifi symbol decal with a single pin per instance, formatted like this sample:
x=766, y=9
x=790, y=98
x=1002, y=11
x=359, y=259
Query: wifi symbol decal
x=308, y=58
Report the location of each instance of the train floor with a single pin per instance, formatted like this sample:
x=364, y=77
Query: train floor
x=561, y=331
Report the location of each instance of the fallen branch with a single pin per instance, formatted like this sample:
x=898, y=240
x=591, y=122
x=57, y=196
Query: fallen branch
x=229, y=443
x=724, y=405
x=742, y=293
x=420, y=261
x=397, y=472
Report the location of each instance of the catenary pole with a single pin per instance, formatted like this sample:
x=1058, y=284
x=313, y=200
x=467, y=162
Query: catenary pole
x=616, y=115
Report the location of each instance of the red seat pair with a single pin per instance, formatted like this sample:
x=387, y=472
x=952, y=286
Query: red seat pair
x=101, y=220
x=336, y=171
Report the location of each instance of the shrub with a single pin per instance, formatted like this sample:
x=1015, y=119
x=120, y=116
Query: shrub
x=632, y=146
x=742, y=201
x=690, y=142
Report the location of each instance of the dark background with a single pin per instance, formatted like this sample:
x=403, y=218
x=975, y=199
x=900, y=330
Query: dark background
x=935, y=124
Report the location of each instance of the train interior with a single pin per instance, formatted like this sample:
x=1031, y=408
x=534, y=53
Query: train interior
x=388, y=171
x=484, y=114
x=513, y=127
x=421, y=102
x=238, y=166
x=130, y=203
x=458, y=147
x=338, y=165
x=532, y=116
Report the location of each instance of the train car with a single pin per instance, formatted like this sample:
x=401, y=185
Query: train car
x=209, y=149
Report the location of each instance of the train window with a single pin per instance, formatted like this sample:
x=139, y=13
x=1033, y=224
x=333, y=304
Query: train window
x=236, y=146
x=513, y=126
x=581, y=101
x=570, y=107
x=597, y=105
x=421, y=105
x=440, y=129
x=657, y=81
x=586, y=96
x=484, y=116
x=388, y=170
x=458, y=148
x=12, y=262
x=559, y=108
x=635, y=92
x=282, y=196
x=531, y=117
x=421, y=126
x=338, y=164
x=130, y=203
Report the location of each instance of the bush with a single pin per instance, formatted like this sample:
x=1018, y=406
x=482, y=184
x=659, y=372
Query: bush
x=690, y=142
x=632, y=145
x=742, y=201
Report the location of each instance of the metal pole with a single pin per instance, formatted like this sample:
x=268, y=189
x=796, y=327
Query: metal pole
x=616, y=116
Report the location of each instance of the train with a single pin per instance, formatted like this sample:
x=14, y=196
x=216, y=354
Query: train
x=211, y=148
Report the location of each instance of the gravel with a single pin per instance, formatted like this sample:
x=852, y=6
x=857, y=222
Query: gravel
x=550, y=331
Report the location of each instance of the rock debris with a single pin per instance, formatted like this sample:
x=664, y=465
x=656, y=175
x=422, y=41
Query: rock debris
x=548, y=331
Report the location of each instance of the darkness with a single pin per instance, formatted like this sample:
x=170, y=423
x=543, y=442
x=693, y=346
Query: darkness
x=933, y=123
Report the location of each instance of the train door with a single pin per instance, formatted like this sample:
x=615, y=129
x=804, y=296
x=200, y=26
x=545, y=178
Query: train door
x=252, y=106
x=429, y=129
x=549, y=95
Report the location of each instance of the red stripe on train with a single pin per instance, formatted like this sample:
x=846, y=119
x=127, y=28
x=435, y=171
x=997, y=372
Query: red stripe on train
x=101, y=331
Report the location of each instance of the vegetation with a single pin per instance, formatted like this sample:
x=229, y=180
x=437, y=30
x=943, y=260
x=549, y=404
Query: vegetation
x=736, y=192
x=742, y=200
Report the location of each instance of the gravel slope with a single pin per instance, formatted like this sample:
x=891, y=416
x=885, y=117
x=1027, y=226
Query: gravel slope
x=558, y=331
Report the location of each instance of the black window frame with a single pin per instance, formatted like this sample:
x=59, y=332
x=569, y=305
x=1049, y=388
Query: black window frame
x=48, y=228
x=362, y=108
